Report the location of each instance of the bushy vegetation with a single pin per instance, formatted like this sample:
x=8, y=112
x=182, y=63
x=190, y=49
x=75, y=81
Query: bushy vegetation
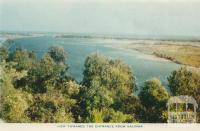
x=37, y=90
x=186, y=82
x=154, y=98
x=41, y=90
x=106, y=85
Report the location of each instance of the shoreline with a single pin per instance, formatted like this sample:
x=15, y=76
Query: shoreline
x=157, y=52
x=174, y=61
x=148, y=47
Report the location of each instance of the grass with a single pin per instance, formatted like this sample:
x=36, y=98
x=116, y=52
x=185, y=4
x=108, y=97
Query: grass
x=178, y=53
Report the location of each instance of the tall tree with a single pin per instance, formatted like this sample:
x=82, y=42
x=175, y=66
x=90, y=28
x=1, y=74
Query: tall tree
x=39, y=93
x=106, y=84
x=154, y=97
x=184, y=82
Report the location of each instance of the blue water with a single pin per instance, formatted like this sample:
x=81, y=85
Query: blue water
x=79, y=48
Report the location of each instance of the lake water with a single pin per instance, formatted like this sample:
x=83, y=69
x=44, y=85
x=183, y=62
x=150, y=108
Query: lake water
x=78, y=49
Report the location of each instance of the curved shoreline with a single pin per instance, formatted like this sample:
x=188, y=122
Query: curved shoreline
x=155, y=51
x=132, y=44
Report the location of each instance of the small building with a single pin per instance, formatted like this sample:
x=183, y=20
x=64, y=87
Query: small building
x=182, y=109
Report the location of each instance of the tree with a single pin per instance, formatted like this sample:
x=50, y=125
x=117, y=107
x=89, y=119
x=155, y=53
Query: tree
x=131, y=105
x=154, y=97
x=42, y=76
x=3, y=54
x=106, y=84
x=186, y=82
x=58, y=54
x=13, y=102
x=51, y=107
x=24, y=60
x=39, y=93
x=109, y=115
x=111, y=73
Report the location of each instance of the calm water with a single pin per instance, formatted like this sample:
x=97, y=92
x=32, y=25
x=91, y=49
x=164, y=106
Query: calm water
x=79, y=48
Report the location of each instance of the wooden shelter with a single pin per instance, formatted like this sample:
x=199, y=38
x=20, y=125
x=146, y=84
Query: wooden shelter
x=182, y=109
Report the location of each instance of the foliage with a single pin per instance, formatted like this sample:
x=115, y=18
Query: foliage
x=24, y=60
x=36, y=90
x=186, y=82
x=3, y=54
x=13, y=102
x=45, y=74
x=109, y=115
x=131, y=105
x=51, y=107
x=154, y=97
x=106, y=84
x=41, y=90
x=58, y=54
x=14, y=105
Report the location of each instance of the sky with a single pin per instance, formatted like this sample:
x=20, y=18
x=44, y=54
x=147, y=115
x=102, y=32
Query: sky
x=132, y=17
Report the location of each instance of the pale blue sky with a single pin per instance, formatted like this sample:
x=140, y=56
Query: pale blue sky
x=134, y=17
